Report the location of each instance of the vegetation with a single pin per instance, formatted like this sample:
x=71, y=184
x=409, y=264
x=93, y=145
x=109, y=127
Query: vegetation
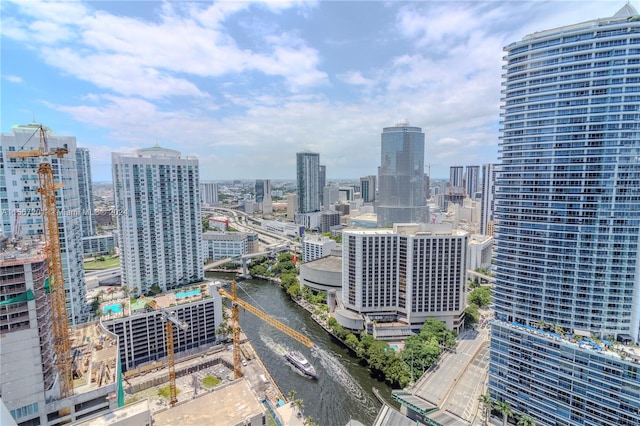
x=336, y=238
x=210, y=382
x=102, y=262
x=504, y=408
x=526, y=420
x=165, y=392
x=480, y=297
x=205, y=224
x=471, y=315
x=486, y=401
x=399, y=369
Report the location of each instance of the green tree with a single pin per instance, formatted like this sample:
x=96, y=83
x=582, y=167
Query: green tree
x=486, y=401
x=504, y=408
x=526, y=420
x=471, y=314
x=205, y=224
x=351, y=340
x=480, y=296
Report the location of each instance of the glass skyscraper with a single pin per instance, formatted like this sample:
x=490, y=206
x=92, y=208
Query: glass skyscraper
x=567, y=208
x=308, y=181
x=402, y=196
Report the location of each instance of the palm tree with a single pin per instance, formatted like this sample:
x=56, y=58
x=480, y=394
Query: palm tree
x=292, y=395
x=505, y=409
x=526, y=420
x=486, y=402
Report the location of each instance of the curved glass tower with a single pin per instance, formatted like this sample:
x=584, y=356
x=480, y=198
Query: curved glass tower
x=568, y=223
x=402, y=196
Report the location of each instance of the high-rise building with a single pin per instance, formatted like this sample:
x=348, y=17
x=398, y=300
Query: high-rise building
x=157, y=196
x=456, y=177
x=488, y=198
x=26, y=351
x=402, y=197
x=21, y=214
x=209, y=193
x=29, y=382
x=85, y=191
x=308, y=181
x=567, y=289
x=471, y=181
x=406, y=274
x=322, y=175
x=263, y=195
x=368, y=188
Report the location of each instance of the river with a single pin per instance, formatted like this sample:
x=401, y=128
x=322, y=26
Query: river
x=343, y=390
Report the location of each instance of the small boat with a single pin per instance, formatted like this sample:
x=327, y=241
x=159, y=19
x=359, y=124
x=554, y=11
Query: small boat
x=300, y=362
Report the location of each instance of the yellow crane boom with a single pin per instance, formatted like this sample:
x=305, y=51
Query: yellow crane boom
x=263, y=316
x=60, y=320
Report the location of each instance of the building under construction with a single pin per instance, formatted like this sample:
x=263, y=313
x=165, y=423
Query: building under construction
x=29, y=380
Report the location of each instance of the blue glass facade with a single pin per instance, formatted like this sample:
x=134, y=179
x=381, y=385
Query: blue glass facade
x=402, y=195
x=567, y=207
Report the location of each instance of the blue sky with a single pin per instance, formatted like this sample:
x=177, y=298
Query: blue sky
x=245, y=85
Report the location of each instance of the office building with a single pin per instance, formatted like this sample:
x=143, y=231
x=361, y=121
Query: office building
x=368, y=188
x=209, y=193
x=21, y=216
x=406, y=274
x=263, y=196
x=488, y=196
x=160, y=228
x=472, y=180
x=85, y=191
x=567, y=290
x=322, y=175
x=331, y=195
x=402, y=196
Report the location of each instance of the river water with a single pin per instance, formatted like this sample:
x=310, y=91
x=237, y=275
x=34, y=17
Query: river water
x=343, y=390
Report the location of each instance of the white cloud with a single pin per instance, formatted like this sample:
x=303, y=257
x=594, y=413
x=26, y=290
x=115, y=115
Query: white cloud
x=13, y=78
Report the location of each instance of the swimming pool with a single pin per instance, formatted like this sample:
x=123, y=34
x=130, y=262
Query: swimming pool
x=114, y=308
x=189, y=293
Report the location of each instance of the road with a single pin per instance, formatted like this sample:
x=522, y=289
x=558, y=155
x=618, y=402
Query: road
x=455, y=384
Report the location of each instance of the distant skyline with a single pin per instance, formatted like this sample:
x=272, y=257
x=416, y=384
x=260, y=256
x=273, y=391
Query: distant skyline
x=244, y=86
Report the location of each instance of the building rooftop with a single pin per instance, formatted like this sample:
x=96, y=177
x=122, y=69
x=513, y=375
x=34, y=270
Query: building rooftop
x=224, y=407
x=328, y=263
x=579, y=339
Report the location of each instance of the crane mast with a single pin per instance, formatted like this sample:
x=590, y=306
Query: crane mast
x=60, y=320
x=170, y=319
x=235, y=301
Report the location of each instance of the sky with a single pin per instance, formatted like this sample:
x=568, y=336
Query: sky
x=243, y=86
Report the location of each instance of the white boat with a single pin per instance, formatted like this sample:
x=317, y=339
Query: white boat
x=300, y=362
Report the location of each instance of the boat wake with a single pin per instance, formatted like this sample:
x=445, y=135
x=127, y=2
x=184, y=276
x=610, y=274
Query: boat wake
x=334, y=369
x=274, y=347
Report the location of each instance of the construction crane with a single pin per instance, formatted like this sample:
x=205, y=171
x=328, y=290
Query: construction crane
x=235, y=302
x=60, y=321
x=170, y=319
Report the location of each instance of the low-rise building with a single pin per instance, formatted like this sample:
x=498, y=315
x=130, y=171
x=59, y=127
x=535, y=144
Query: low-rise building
x=221, y=245
x=316, y=246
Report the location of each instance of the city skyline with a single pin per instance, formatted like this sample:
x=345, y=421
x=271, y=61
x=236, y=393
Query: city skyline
x=286, y=83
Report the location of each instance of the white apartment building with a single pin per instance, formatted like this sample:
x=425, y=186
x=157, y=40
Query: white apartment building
x=20, y=203
x=220, y=245
x=316, y=247
x=406, y=274
x=209, y=192
x=157, y=197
